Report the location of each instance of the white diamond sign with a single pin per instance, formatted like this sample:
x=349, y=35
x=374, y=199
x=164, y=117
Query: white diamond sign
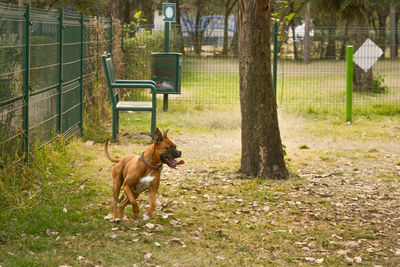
x=367, y=55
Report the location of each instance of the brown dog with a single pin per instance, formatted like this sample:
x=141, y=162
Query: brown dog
x=136, y=174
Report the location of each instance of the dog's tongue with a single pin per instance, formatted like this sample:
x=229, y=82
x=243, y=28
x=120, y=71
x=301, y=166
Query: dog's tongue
x=180, y=162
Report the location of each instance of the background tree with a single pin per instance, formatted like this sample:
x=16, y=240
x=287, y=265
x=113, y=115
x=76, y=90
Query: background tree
x=228, y=8
x=262, y=153
x=356, y=14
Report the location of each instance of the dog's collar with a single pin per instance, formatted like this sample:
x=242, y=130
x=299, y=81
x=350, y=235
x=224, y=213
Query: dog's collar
x=156, y=168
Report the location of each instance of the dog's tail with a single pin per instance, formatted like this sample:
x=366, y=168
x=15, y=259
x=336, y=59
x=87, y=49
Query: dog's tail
x=108, y=155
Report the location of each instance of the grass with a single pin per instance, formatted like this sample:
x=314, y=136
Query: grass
x=207, y=213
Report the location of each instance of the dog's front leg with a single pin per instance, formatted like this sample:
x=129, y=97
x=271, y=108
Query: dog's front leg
x=123, y=204
x=152, y=201
x=132, y=200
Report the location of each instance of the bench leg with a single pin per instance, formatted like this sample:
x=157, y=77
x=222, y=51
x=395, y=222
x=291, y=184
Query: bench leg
x=115, y=124
x=153, y=123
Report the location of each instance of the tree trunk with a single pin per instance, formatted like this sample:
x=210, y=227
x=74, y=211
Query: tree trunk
x=225, y=46
x=198, y=35
x=228, y=11
x=291, y=23
x=393, y=32
x=262, y=153
x=344, y=43
x=307, y=28
x=331, y=47
x=179, y=27
x=362, y=80
x=383, y=12
x=127, y=12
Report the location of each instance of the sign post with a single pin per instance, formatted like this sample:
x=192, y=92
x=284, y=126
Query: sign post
x=169, y=14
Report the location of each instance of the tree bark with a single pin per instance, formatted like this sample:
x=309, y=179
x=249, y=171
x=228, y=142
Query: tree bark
x=262, y=153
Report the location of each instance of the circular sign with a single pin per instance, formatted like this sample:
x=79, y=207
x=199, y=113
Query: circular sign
x=169, y=12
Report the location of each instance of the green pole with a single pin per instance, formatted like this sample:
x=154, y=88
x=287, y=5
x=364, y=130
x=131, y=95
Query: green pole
x=275, y=62
x=349, y=82
x=26, y=87
x=111, y=36
x=166, y=50
x=166, y=39
x=82, y=68
x=60, y=69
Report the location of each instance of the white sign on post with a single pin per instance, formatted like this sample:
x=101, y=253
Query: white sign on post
x=367, y=55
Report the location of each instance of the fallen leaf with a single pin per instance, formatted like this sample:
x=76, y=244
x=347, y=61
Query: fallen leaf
x=80, y=258
x=349, y=260
x=89, y=143
x=150, y=225
x=108, y=217
x=175, y=240
x=310, y=259
x=147, y=256
x=319, y=261
x=357, y=259
x=157, y=244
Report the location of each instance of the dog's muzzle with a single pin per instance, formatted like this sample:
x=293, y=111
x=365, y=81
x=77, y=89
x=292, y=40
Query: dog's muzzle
x=169, y=158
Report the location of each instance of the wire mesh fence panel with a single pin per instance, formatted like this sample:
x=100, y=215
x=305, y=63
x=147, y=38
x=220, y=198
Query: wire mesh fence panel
x=44, y=79
x=71, y=109
x=320, y=85
x=47, y=57
x=12, y=46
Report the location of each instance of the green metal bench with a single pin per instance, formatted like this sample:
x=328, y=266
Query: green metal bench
x=118, y=105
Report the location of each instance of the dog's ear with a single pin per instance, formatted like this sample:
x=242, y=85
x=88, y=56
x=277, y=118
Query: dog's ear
x=165, y=133
x=158, y=136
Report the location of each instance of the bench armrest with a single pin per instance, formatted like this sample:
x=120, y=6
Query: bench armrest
x=136, y=81
x=135, y=85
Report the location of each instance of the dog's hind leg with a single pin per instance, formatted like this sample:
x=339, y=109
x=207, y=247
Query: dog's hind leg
x=117, y=182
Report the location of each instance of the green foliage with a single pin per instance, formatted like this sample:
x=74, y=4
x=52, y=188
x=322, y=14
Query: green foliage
x=134, y=25
x=379, y=85
x=20, y=183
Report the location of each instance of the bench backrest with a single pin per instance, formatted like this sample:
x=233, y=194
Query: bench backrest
x=110, y=75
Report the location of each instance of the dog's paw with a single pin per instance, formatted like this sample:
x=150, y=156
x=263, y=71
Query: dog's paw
x=146, y=217
x=117, y=220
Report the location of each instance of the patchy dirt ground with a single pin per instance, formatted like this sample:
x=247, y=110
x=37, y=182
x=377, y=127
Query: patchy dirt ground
x=340, y=206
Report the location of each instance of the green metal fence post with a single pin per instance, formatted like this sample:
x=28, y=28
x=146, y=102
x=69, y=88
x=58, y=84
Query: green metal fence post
x=349, y=82
x=97, y=50
x=275, y=59
x=60, y=69
x=82, y=66
x=111, y=36
x=166, y=50
x=26, y=87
